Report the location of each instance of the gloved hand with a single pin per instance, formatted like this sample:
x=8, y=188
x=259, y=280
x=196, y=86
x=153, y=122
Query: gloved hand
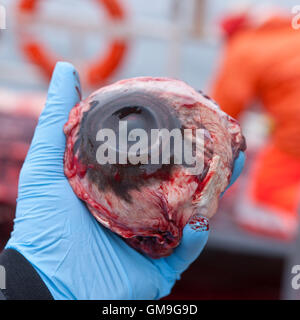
x=75, y=256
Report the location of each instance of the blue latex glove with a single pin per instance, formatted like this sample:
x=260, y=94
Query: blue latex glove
x=75, y=256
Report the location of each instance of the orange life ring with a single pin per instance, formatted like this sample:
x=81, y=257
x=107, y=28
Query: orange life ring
x=98, y=71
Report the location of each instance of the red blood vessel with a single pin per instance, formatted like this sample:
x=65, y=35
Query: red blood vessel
x=149, y=204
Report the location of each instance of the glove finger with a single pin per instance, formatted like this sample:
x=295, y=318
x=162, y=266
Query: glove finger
x=48, y=143
x=195, y=235
x=237, y=170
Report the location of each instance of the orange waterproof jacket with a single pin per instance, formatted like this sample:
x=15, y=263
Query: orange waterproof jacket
x=264, y=63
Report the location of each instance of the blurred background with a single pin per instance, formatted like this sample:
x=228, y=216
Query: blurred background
x=244, y=54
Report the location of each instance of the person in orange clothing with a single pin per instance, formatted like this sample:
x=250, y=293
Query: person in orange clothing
x=262, y=62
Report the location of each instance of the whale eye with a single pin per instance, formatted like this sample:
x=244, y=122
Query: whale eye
x=113, y=138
